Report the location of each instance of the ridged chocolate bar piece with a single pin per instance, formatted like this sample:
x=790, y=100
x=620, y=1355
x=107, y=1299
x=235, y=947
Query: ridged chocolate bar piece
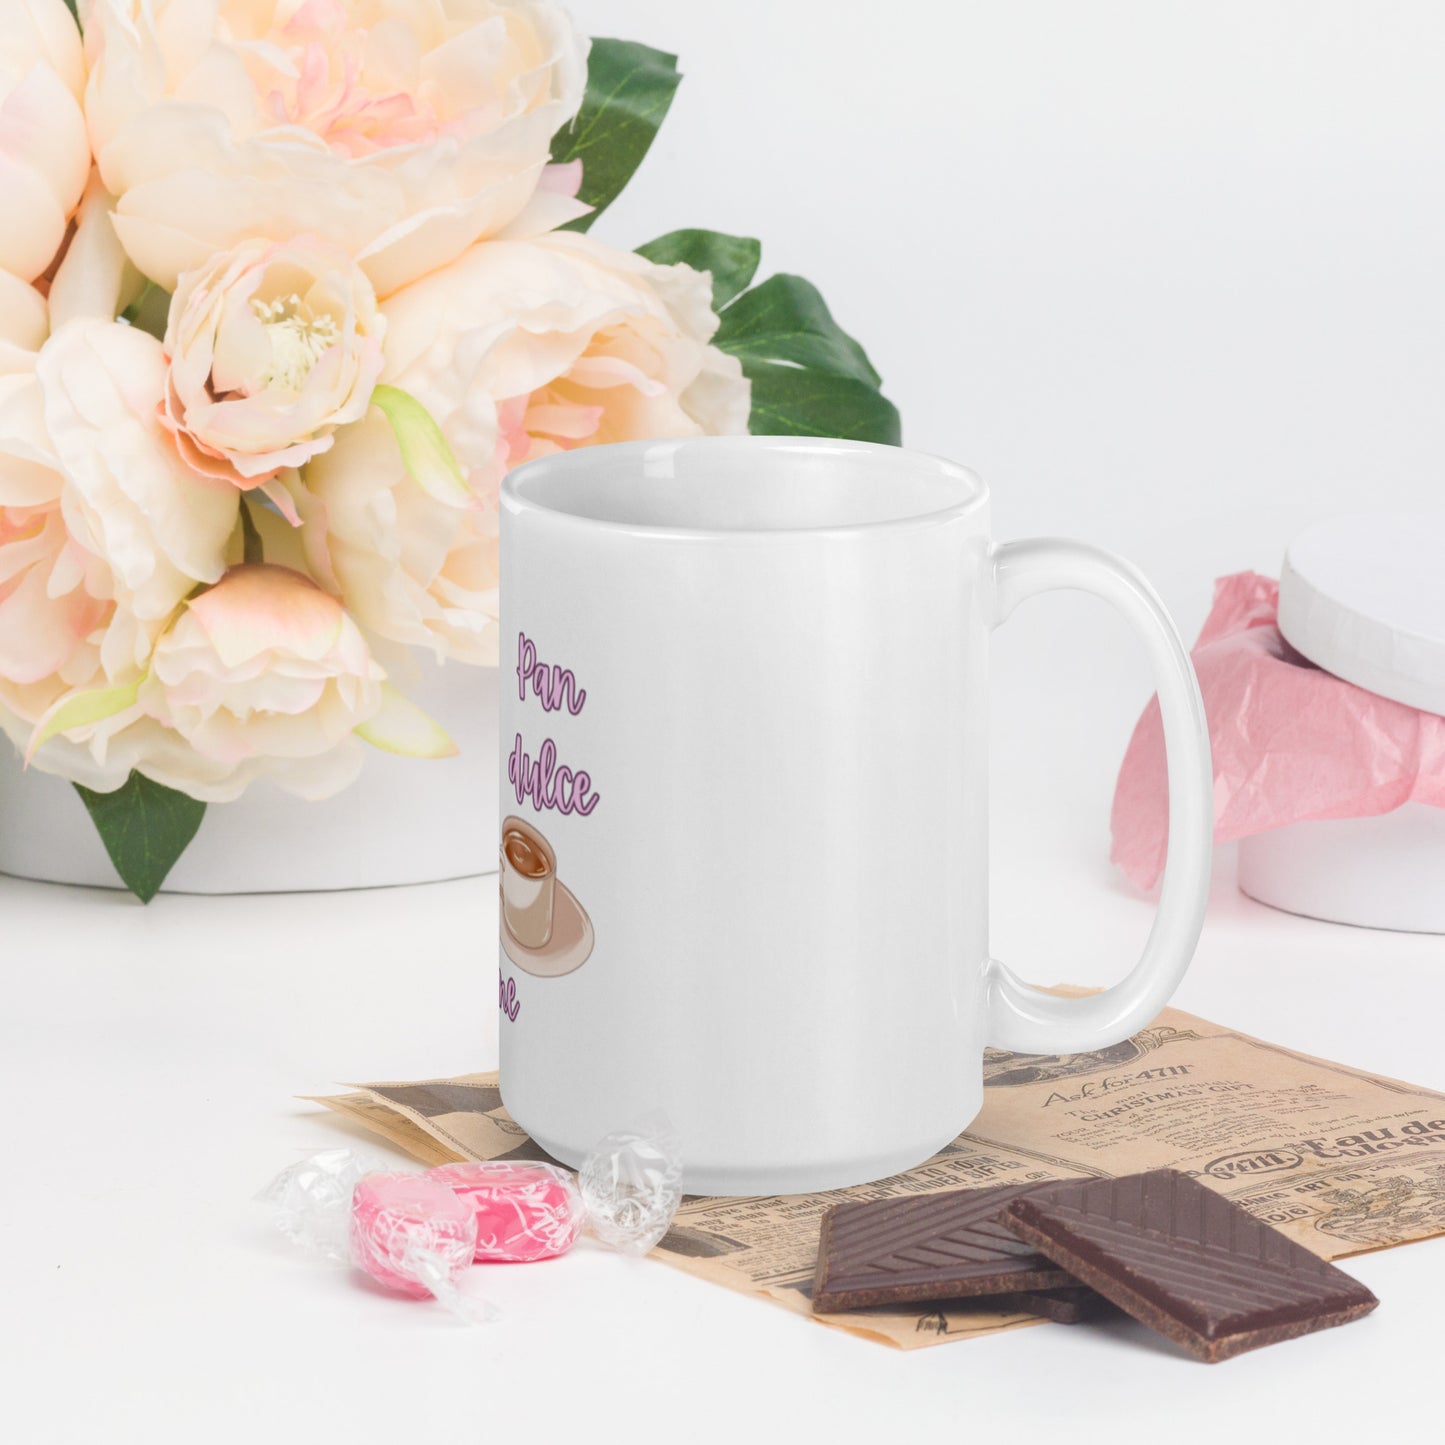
x=1186, y=1261
x=926, y=1247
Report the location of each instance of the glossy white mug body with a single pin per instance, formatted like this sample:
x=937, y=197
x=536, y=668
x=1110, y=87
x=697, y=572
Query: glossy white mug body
x=745, y=700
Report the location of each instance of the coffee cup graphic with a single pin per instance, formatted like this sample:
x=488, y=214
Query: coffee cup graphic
x=545, y=930
x=529, y=883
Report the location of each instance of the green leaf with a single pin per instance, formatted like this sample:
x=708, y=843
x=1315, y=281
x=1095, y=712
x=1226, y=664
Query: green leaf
x=731, y=260
x=253, y=548
x=73, y=6
x=786, y=319
x=424, y=450
x=792, y=401
x=150, y=311
x=145, y=829
x=629, y=88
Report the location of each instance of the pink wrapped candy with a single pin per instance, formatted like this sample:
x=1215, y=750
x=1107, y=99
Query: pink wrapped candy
x=523, y=1211
x=417, y=1233
x=411, y=1233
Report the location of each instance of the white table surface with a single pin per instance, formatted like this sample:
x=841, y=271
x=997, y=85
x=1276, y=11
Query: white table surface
x=149, y=1059
x=1169, y=277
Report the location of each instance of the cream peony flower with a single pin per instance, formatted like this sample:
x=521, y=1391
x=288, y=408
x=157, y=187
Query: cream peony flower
x=402, y=130
x=129, y=497
x=520, y=349
x=272, y=346
x=411, y=566
x=67, y=628
x=24, y=322
x=123, y=534
x=263, y=675
x=517, y=349
x=114, y=654
x=260, y=676
x=44, y=153
x=54, y=596
x=95, y=277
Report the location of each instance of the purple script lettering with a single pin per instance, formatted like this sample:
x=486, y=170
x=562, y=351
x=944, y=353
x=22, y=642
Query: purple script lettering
x=548, y=784
x=551, y=685
x=507, y=999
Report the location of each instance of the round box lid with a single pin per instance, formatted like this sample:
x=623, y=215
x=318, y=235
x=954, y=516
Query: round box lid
x=1363, y=596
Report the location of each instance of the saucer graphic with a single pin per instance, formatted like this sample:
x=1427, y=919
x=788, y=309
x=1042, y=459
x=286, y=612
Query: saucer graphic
x=567, y=949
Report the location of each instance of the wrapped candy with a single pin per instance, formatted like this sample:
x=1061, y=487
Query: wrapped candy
x=632, y=1184
x=411, y=1233
x=310, y=1200
x=523, y=1212
x=408, y=1233
x=416, y=1233
x=630, y=1187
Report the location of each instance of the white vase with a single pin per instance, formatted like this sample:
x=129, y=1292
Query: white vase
x=404, y=820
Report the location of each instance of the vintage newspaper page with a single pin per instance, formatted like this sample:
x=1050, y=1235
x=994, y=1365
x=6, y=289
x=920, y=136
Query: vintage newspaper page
x=1343, y=1161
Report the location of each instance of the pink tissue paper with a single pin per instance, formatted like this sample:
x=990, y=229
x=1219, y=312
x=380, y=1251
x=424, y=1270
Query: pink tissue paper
x=1291, y=742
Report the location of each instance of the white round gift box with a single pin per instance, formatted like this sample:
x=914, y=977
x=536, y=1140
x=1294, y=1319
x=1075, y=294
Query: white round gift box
x=1364, y=598
x=404, y=820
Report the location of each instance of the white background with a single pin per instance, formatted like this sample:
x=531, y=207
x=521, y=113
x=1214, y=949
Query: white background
x=1168, y=276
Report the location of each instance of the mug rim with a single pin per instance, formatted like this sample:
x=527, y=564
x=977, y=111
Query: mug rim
x=514, y=495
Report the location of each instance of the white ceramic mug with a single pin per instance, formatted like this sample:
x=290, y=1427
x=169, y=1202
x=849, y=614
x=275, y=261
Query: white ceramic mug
x=745, y=700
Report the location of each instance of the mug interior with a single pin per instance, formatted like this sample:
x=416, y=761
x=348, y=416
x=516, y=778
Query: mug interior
x=744, y=484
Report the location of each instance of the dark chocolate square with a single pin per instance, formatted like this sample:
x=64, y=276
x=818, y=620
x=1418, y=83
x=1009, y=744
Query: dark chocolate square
x=1186, y=1261
x=926, y=1247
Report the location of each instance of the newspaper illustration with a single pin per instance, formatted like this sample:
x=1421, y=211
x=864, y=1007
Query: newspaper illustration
x=1341, y=1160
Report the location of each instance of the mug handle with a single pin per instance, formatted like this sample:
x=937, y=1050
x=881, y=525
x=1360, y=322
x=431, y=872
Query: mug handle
x=1025, y=1019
